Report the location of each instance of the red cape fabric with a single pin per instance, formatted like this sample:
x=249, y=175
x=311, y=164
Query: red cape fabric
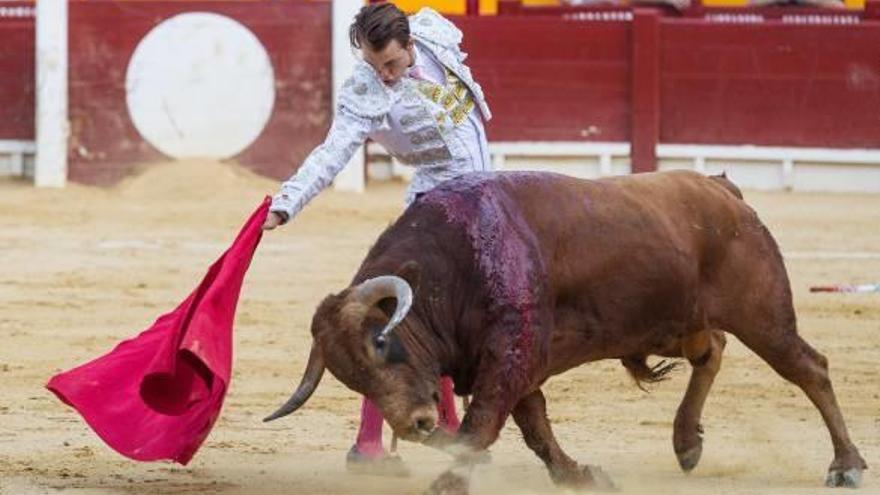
x=157, y=395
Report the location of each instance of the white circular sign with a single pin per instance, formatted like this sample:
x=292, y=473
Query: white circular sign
x=200, y=85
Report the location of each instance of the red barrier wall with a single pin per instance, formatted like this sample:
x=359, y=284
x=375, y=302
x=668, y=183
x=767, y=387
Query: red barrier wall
x=17, y=72
x=783, y=76
x=770, y=84
x=776, y=76
x=548, y=80
x=104, y=144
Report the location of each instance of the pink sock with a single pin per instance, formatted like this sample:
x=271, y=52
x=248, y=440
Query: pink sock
x=369, y=437
x=446, y=408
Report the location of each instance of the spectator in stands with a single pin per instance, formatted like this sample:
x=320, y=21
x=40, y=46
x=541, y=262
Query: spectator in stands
x=677, y=4
x=832, y=4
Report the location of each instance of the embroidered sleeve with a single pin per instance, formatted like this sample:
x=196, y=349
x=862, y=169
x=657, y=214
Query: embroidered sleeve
x=346, y=135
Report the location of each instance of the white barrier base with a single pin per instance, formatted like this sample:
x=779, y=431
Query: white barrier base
x=17, y=158
x=773, y=168
x=751, y=167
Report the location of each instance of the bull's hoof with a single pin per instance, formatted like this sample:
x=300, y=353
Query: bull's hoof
x=687, y=441
x=440, y=439
x=448, y=484
x=599, y=479
x=464, y=454
x=384, y=465
x=583, y=478
x=482, y=457
x=689, y=459
x=850, y=478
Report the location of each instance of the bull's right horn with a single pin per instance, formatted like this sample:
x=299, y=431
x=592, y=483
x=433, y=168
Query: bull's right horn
x=310, y=380
x=375, y=289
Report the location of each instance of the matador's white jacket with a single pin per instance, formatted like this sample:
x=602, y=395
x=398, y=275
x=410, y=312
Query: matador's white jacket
x=411, y=127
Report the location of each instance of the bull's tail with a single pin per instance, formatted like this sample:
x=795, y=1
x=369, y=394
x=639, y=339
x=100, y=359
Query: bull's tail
x=726, y=183
x=639, y=370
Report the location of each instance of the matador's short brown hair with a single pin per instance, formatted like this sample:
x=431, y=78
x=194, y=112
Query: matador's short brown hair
x=377, y=24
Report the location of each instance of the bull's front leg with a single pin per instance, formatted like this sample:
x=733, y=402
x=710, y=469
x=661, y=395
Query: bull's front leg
x=495, y=393
x=480, y=428
x=514, y=352
x=530, y=415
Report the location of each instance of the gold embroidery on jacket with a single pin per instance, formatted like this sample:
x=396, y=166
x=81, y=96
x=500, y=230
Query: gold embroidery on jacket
x=453, y=96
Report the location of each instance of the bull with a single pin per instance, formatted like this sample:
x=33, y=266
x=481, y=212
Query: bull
x=501, y=281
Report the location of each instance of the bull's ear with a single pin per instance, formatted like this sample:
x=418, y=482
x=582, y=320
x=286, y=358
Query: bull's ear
x=332, y=311
x=412, y=273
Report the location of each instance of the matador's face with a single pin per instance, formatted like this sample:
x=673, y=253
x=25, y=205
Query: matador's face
x=391, y=62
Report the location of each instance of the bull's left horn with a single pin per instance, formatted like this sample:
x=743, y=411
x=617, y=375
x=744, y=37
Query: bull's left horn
x=375, y=289
x=310, y=380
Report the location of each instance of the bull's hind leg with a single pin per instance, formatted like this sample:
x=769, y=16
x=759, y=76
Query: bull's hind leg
x=790, y=356
x=530, y=415
x=752, y=300
x=703, y=350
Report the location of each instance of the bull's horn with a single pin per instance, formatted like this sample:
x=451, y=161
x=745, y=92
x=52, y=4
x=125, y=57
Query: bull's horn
x=375, y=289
x=310, y=380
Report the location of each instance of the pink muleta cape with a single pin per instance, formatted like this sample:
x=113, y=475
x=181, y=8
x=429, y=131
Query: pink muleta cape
x=157, y=395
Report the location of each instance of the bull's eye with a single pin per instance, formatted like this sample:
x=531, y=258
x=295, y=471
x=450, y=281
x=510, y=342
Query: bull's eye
x=389, y=348
x=380, y=341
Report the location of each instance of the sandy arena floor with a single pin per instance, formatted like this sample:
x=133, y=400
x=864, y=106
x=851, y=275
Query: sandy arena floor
x=82, y=268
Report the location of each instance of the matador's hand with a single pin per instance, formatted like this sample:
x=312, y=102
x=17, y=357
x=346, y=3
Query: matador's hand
x=273, y=219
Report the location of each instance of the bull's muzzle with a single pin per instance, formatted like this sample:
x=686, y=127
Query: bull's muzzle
x=422, y=423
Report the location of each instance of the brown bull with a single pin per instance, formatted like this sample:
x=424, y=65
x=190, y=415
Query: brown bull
x=502, y=281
